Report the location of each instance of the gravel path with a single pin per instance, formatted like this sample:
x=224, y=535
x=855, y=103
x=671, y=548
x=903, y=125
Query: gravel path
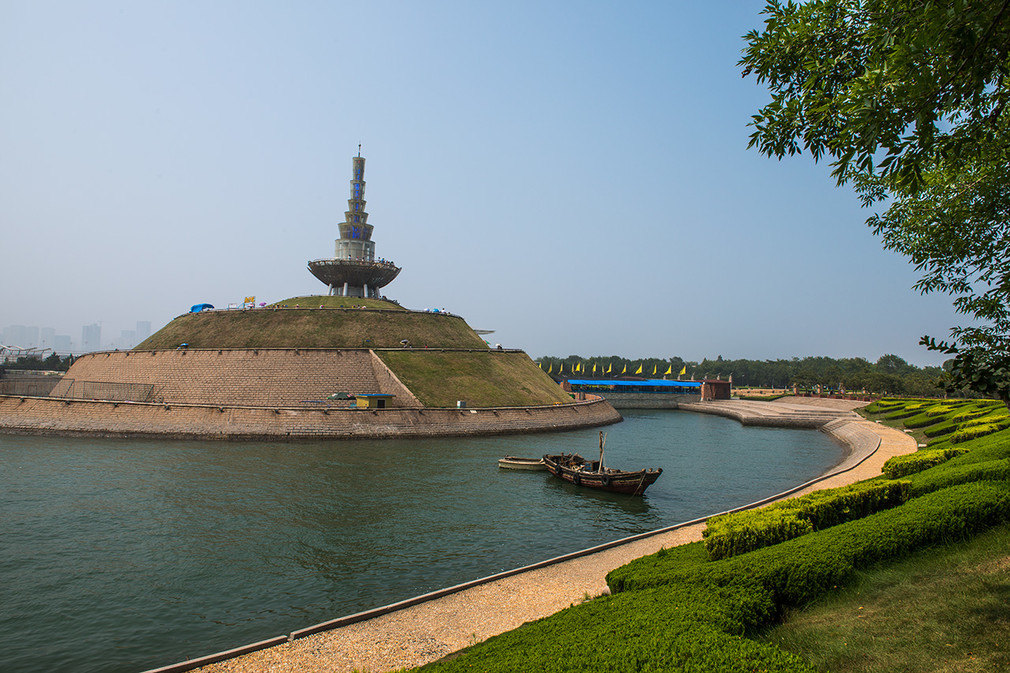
x=428, y=631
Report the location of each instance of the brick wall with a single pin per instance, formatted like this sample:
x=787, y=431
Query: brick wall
x=131, y=419
x=243, y=377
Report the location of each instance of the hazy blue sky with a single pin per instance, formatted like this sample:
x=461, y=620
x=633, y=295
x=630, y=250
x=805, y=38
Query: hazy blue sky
x=572, y=174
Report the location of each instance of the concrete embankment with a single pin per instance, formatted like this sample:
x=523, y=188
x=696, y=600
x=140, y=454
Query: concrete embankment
x=429, y=627
x=95, y=418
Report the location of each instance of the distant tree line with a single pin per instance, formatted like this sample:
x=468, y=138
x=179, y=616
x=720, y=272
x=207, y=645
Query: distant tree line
x=889, y=375
x=52, y=363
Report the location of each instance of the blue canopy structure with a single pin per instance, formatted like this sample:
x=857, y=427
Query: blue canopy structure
x=196, y=308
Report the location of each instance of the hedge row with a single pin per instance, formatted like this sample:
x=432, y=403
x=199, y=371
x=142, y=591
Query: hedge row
x=973, y=432
x=900, y=466
x=798, y=570
x=740, y=532
x=692, y=614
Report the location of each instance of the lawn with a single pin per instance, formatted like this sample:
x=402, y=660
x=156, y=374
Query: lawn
x=945, y=609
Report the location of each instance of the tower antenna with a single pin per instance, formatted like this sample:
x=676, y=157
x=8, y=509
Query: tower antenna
x=359, y=149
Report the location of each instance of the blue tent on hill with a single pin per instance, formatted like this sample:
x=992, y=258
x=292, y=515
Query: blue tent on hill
x=196, y=308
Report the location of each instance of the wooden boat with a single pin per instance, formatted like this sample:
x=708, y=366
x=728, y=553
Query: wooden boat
x=593, y=474
x=516, y=463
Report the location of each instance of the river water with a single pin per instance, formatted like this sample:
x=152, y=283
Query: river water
x=123, y=555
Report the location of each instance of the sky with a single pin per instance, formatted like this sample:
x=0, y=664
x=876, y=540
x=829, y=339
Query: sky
x=573, y=175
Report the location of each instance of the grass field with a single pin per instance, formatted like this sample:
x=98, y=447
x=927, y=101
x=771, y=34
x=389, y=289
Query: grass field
x=945, y=609
x=482, y=379
x=313, y=328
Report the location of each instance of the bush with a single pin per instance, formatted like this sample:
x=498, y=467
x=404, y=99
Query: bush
x=692, y=628
x=798, y=570
x=950, y=475
x=740, y=532
x=900, y=466
x=974, y=431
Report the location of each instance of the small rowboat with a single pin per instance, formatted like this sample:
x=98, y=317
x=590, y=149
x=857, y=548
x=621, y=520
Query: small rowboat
x=592, y=473
x=515, y=463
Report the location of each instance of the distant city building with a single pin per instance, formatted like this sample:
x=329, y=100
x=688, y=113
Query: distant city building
x=354, y=271
x=47, y=336
x=91, y=337
x=143, y=330
x=19, y=335
x=61, y=343
x=128, y=338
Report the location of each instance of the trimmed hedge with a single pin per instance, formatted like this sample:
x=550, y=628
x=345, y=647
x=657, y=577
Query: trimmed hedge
x=690, y=614
x=799, y=570
x=900, y=466
x=966, y=433
x=951, y=474
x=731, y=534
x=689, y=628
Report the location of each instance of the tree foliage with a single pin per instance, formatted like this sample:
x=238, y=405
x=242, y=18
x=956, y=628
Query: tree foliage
x=909, y=100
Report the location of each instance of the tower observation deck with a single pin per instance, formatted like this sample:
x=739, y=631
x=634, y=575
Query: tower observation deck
x=354, y=271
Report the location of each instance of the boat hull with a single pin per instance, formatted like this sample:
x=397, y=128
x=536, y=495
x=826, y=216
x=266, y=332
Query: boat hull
x=515, y=463
x=614, y=481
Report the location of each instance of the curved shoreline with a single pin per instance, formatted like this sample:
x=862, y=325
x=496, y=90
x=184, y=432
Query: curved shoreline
x=427, y=627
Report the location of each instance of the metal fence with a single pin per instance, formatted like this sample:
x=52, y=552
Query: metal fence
x=70, y=389
x=105, y=390
x=29, y=386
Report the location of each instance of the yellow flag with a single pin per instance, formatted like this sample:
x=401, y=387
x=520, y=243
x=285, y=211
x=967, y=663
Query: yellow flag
x=550, y=368
x=683, y=371
x=669, y=370
x=625, y=370
x=654, y=368
x=610, y=368
x=594, y=368
x=639, y=370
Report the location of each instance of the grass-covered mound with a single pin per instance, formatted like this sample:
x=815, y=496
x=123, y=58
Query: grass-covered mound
x=325, y=301
x=313, y=328
x=481, y=379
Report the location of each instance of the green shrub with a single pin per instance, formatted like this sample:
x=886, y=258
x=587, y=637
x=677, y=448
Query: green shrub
x=940, y=410
x=950, y=475
x=740, y=532
x=800, y=569
x=907, y=412
x=900, y=466
x=966, y=433
x=922, y=420
x=940, y=429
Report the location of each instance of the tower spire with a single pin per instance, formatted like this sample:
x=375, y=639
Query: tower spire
x=353, y=271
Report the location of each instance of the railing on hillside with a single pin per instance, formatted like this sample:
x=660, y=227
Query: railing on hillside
x=70, y=389
x=29, y=386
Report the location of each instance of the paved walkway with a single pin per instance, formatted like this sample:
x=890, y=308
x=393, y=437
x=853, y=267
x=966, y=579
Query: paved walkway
x=431, y=630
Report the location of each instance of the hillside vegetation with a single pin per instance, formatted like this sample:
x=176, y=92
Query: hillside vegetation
x=482, y=379
x=325, y=301
x=313, y=328
x=701, y=608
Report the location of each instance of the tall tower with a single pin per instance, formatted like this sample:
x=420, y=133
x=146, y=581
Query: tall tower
x=353, y=271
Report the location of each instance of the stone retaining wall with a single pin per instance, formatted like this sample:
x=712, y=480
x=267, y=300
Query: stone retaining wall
x=621, y=400
x=29, y=415
x=242, y=377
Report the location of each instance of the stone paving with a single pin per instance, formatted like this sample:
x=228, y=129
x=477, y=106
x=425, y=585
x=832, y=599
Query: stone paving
x=433, y=629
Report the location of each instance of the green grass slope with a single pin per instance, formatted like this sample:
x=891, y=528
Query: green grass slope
x=325, y=301
x=482, y=379
x=313, y=328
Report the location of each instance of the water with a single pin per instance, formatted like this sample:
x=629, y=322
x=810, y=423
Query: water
x=122, y=555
